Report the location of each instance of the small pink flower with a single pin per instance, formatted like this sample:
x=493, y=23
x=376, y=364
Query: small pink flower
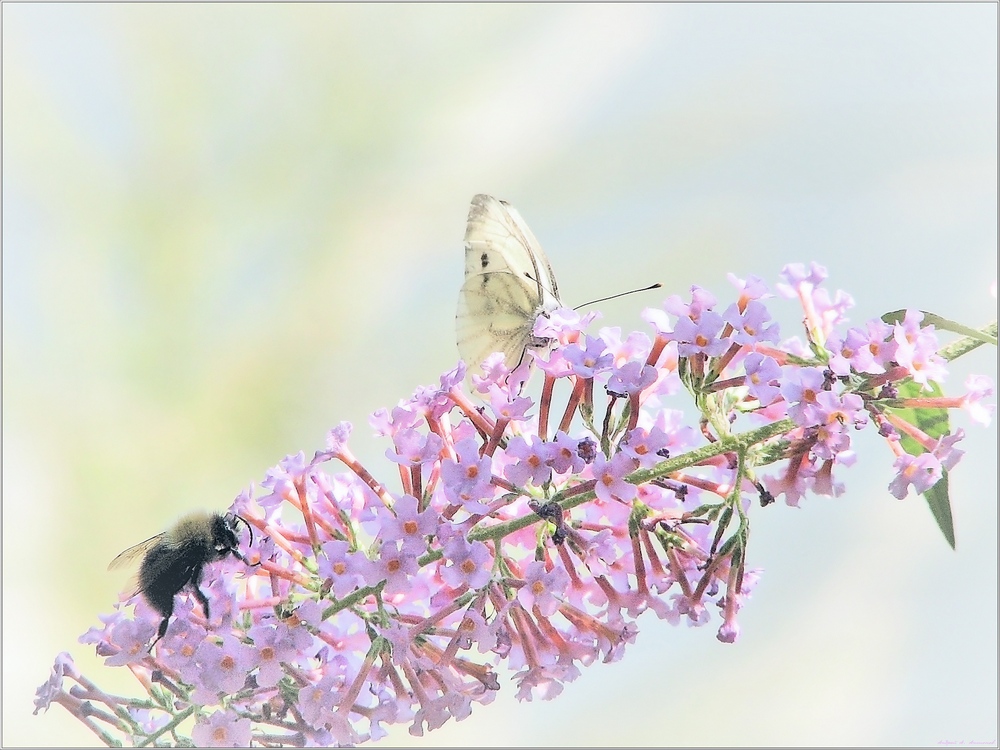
x=542, y=589
x=610, y=477
x=922, y=471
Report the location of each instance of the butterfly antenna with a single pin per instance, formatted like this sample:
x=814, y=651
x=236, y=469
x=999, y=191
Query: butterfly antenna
x=657, y=285
x=533, y=280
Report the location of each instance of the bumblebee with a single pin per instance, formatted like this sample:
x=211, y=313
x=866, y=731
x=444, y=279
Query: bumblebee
x=177, y=557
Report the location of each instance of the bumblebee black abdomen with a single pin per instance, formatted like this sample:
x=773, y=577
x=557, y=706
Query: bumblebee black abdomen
x=165, y=572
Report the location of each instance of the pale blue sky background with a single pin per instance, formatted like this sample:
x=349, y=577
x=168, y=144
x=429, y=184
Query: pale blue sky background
x=227, y=228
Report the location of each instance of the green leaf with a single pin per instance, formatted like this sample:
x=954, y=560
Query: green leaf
x=934, y=422
x=943, y=324
x=937, y=500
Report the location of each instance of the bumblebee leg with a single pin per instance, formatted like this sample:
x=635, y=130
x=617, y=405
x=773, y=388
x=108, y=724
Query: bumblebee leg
x=199, y=595
x=161, y=631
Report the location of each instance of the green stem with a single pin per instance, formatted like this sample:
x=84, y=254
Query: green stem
x=727, y=444
x=741, y=471
x=168, y=727
x=351, y=599
x=966, y=344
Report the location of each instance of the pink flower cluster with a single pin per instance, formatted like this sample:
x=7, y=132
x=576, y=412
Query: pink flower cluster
x=518, y=533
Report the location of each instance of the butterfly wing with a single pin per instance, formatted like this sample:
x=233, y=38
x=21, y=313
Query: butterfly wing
x=508, y=283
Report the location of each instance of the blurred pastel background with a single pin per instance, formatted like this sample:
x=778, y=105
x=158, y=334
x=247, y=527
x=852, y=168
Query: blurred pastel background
x=229, y=227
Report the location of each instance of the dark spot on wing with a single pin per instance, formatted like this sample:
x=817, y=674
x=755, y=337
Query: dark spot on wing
x=484, y=260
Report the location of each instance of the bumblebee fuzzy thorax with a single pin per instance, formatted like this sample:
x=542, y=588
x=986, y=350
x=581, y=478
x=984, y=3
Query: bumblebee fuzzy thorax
x=211, y=535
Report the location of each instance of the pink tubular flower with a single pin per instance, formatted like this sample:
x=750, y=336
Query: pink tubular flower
x=528, y=462
x=130, y=637
x=542, y=589
x=564, y=325
x=343, y=569
x=753, y=287
x=647, y=447
x=801, y=390
x=922, y=471
x=821, y=314
x=514, y=532
x=554, y=364
x=276, y=643
x=52, y=688
x=916, y=349
x=337, y=438
x=946, y=452
x=979, y=387
x=470, y=564
x=702, y=301
x=700, y=336
x=317, y=702
x=565, y=454
x=395, y=565
x=413, y=447
x=762, y=374
x=408, y=525
x=868, y=350
x=590, y=359
x=795, y=276
x=631, y=378
x=468, y=481
x=222, y=729
x=610, y=476
x=495, y=371
x=752, y=324
x=634, y=347
x=506, y=405
x=224, y=666
x=180, y=646
x=846, y=409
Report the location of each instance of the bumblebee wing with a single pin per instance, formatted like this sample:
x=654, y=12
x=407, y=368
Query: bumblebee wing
x=135, y=552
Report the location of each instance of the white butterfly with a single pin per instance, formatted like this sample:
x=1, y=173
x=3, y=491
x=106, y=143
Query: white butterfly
x=508, y=284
